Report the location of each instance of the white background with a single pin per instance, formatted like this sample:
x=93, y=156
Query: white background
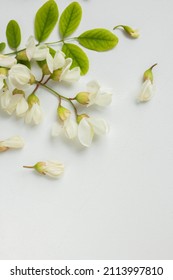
x=114, y=200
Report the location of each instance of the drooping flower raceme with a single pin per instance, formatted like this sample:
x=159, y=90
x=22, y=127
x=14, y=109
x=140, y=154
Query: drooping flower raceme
x=51, y=168
x=88, y=126
x=20, y=76
x=15, y=142
x=94, y=95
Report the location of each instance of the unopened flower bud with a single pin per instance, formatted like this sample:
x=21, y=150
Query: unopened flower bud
x=83, y=98
x=80, y=117
x=63, y=113
x=148, y=74
x=130, y=31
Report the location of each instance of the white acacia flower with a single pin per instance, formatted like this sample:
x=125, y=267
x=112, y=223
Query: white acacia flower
x=34, y=114
x=51, y=168
x=68, y=75
x=90, y=126
x=56, y=62
x=69, y=128
x=94, y=95
x=15, y=142
x=20, y=76
x=38, y=53
x=147, y=91
x=5, y=98
x=7, y=61
x=18, y=104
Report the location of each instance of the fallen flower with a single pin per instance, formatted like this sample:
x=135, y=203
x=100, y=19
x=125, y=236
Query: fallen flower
x=88, y=127
x=94, y=95
x=15, y=142
x=51, y=168
x=148, y=88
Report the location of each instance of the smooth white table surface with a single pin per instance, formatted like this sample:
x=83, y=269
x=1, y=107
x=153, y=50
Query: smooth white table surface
x=115, y=199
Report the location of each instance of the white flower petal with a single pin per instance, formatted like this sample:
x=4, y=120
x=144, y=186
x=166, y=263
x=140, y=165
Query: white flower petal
x=13, y=103
x=56, y=129
x=70, y=128
x=21, y=107
x=5, y=99
x=7, y=61
x=37, y=114
x=71, y=76
x=100, y=126
x=59, y=60
x=103, y=99
x=93, y=86
x=147, y=91
x=13, y=142
x=30, y=48
x=34, y=114
x=40, y=53
x=85, y=132
x=50, y=62
x=53, y=168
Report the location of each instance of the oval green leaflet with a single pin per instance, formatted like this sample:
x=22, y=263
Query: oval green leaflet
x=45, y=20
x=70, y=19
x=80, y=59
x=2, y=46
x=98, y=39
x=13, y=34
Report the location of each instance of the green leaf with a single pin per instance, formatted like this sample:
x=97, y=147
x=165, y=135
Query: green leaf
x=45, y=20
x=13, y=34
x=98, y=39
x=79, y=57
x=70, y=19
x=2, y=46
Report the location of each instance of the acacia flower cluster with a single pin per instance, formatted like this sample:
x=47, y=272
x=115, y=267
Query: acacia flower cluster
x=19, y=86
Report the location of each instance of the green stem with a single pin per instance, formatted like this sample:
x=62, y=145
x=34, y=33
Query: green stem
x=38, y=84
x=61, y=97
x=120, y=25
x=61, y=41
x=153, y=66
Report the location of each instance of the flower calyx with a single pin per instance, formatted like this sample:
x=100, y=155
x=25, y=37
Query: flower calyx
x=83, y=98
x=63, y=113
x=148, y=74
